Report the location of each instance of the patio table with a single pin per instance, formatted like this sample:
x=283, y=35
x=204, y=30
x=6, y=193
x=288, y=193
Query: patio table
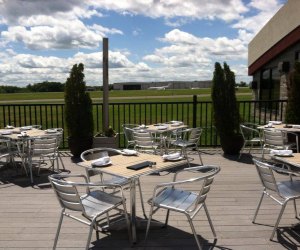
x=162, y=129
x=118, y=167
x=31, y=134
x=293, y=160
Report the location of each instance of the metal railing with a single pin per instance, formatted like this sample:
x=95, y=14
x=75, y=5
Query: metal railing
x=194, y=113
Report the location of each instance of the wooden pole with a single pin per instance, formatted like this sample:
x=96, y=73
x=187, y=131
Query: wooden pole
x=105, y=113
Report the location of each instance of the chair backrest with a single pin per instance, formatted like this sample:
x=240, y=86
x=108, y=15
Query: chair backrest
x=44, y=145
x=143, y=139
x=128, y=132
x=274, y=137
x=66, y=193
x=249, y=132
x=266, y=175
x=96, y=153
x=207, y=179
x=194, y=135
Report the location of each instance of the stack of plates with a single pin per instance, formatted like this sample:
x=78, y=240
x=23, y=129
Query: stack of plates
x=172, y=157
x=281, y=152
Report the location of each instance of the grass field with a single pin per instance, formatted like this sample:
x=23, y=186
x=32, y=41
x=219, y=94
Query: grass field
x=123, y=96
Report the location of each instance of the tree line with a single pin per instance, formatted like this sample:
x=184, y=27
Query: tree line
x=44, y=87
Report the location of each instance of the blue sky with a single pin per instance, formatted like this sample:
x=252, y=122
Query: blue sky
x=149, y=40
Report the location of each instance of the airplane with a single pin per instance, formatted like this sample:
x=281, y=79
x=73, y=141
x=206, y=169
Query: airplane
x=162, y=87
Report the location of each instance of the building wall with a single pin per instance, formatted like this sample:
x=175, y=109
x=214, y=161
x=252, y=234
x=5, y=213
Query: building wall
x=281, y=24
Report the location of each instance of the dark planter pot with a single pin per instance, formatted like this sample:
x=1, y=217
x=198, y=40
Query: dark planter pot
x=106, y=142
x=79, y=144
x=232, y=145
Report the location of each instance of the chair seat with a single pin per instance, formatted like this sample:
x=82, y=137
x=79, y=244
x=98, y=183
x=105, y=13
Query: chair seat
x=175, y=199
x=289, y=189
x=98, y=201
x=183, y=143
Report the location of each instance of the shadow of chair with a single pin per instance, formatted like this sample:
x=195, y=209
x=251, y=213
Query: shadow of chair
x=280, y=192
x=90, y=205
x=176, y=197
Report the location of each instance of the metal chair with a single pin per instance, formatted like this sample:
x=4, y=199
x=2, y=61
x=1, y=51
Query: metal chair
x=251, y=136
x=176, y=197
x=190, y=139
x=6, y=152
x=144, y=141
x=95, y=153
x=128, y=132
x=44, y=148
x=92, y=204
x=281, y=192
x=277, y=139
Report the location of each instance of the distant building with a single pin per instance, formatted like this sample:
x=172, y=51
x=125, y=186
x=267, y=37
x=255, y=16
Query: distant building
x=162, y=85
x=273, y=51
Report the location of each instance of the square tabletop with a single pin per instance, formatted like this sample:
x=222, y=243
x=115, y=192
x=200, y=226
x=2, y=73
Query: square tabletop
x=294, y=159
x=120, y=163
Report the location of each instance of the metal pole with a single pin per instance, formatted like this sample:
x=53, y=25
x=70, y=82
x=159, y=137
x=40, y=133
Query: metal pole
x=105, y=114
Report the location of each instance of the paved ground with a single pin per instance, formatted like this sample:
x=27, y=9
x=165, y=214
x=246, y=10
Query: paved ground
x=29, y=214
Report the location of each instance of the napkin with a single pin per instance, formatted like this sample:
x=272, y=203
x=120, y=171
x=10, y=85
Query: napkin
x=281, y=152
x=101, y=161
x=276, y=122
x=129, y=151
x=171, y=156
x=162, y=127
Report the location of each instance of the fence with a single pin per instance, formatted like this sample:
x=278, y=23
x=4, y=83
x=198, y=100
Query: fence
x=194, y=113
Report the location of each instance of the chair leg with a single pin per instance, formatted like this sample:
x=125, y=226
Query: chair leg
x=194, y=231
x=259, y=203
x=58, y=228
x=242, y=150
x=209, y=221
x=278, y=220
x=127, y=222
x=184, y=152
x=200, y=157
x=149, y=222
x=167, y=218
x=90, y=234
x=141, y=197
x=295, y=207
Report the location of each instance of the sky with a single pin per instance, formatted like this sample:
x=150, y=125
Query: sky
x=149, y=40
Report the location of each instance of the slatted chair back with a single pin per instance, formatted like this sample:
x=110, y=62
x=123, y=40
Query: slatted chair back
x=128, y=132
x=266, y=175
x=194, y=135
x=67, y=194
x=44, y=146
x=274, y=137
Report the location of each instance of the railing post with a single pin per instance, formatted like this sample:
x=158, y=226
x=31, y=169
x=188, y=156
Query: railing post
x=194, y=111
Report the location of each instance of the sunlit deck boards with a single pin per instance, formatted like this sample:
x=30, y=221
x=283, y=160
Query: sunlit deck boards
x=29, y=215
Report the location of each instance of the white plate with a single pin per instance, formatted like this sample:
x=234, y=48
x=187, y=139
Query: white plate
x=174, y=159
x=22, y=136
x=9, y=127
x=276, y=122
x=129, y=152
x=5, y=132
x=26, y=128
x=162, y=127
x=281, y=152
x=50, y=131
x=100, y=164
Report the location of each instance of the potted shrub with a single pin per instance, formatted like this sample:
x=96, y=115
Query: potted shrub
x=78, y=112
x=106, y=139
x=226, y=113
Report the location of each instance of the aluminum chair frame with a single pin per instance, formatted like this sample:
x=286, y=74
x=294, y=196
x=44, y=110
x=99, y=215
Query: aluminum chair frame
x=7, y=152
x=251, y=136
x=277, y=139
x=125, y=183
x=144, y=141
x=128, y=132
x=91, y=205
x=168, y=196
x=190, y=139
x=281, y=192
x=44, y=148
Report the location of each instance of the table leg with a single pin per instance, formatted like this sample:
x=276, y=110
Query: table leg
x=133, y=209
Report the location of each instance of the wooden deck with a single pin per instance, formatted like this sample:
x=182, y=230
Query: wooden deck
x=29, y=214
